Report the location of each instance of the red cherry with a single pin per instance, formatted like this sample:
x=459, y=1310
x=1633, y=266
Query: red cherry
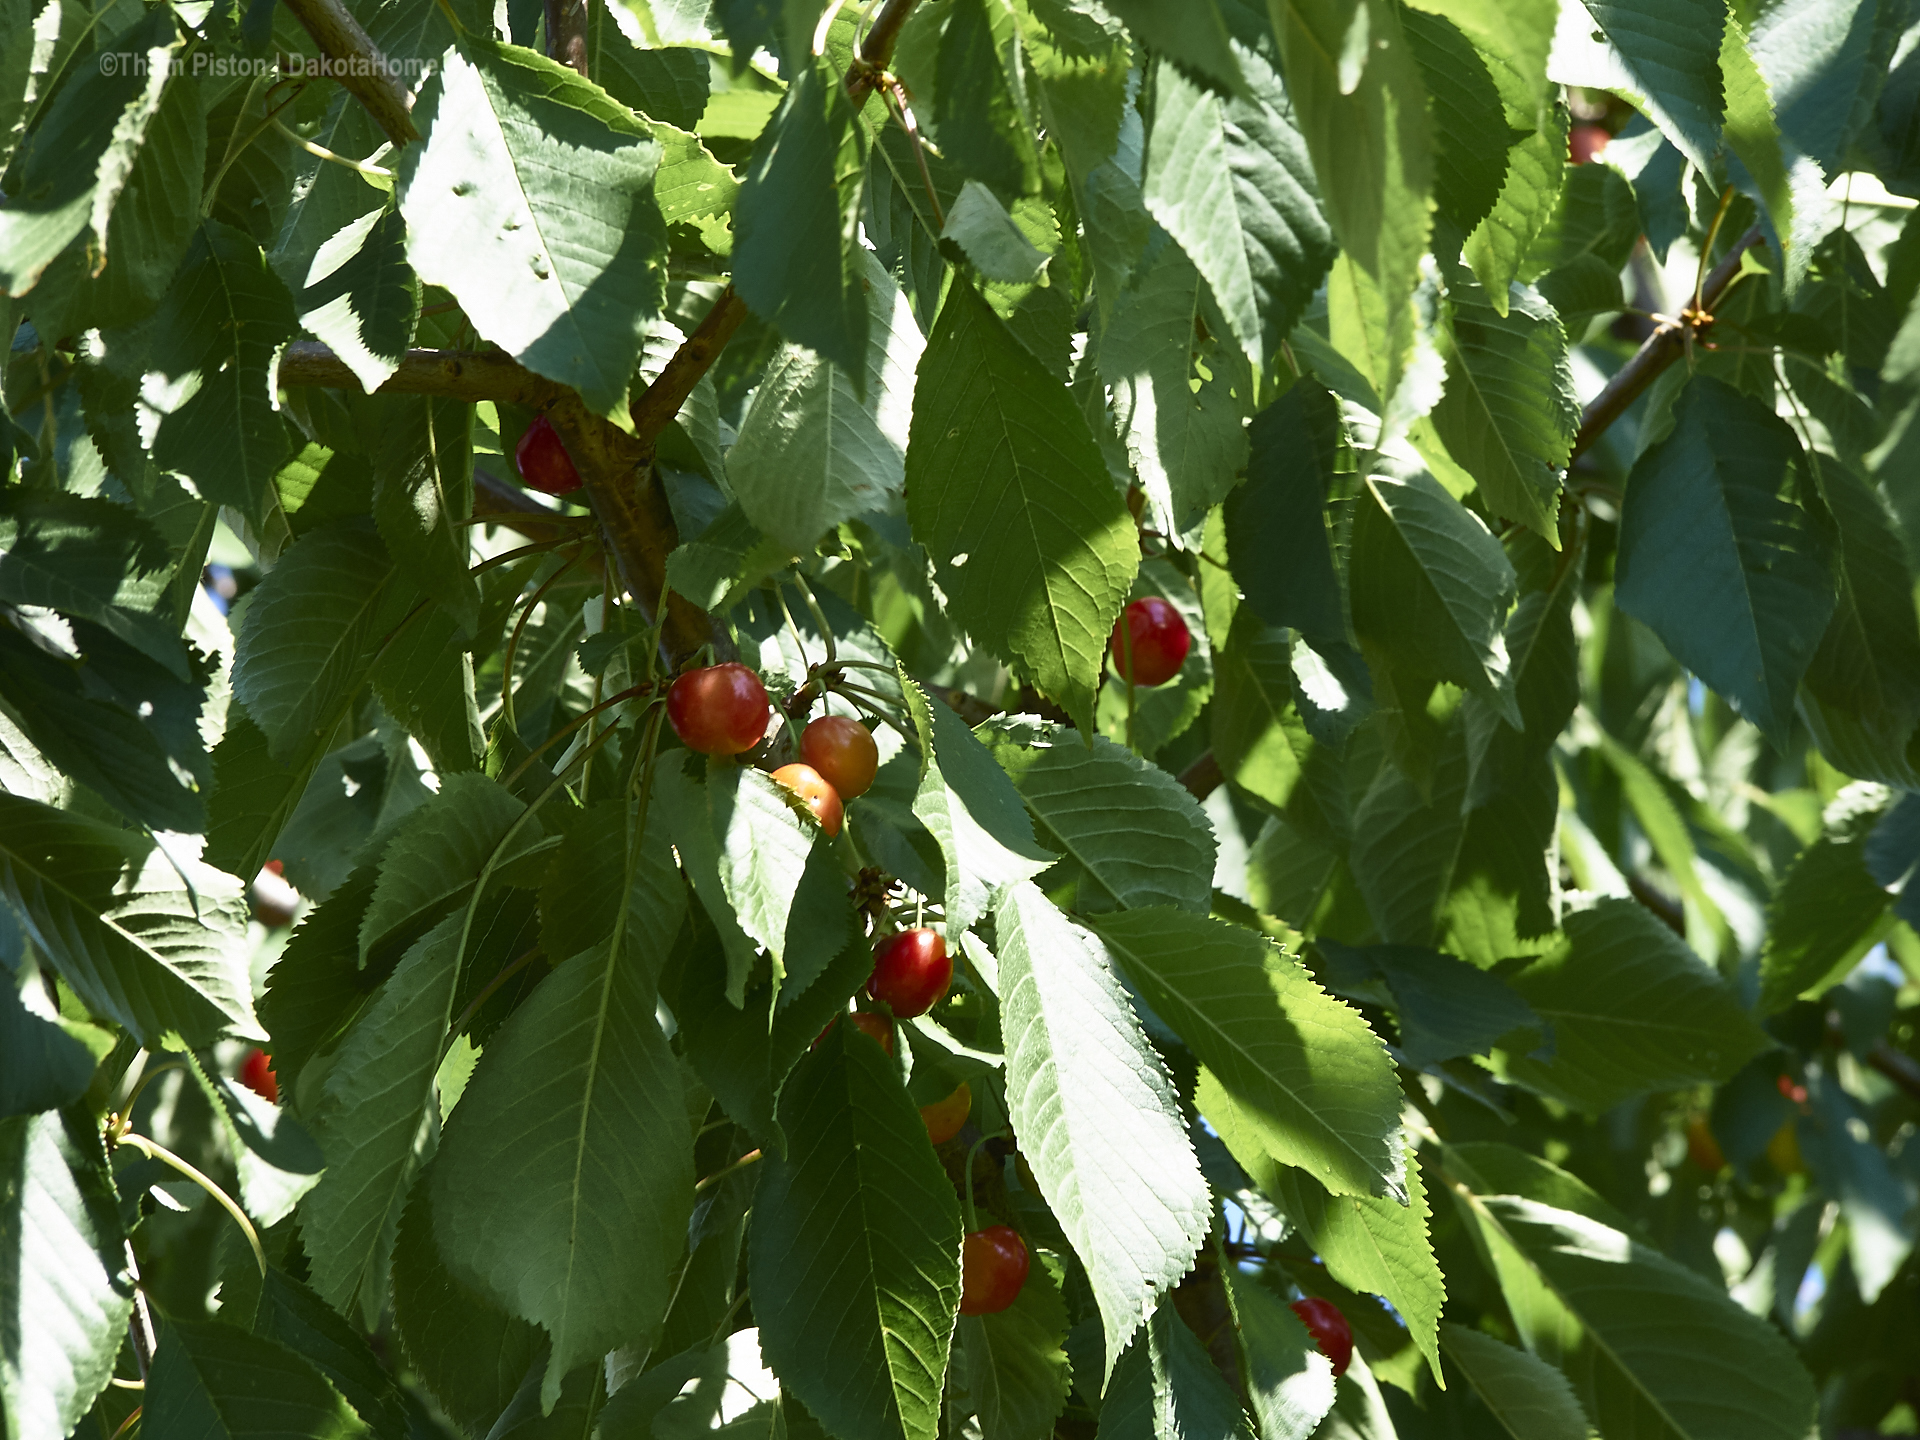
x=279, y=867
x=867, y=1023
x=256, y=1073
x=820, y=797
x=843, y=751
x=1159, y=639
x=1585, y=142
x=542, y=460
x=1329, y=1329
x=721, y=710
x=911, y=971
x=993, y=1267
x=274, y=899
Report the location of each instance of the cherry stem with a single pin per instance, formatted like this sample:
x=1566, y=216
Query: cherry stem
x=632, y=692
x=725, y=1170
x=539, y=547
x=153, y=1150
x=819, y=617
x=513, y=641
x=966, y=1190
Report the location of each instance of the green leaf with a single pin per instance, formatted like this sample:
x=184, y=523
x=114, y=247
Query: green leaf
x=1664, y=58
x=1010, y=1371
x=1277, y=540
x=275, y=1158
x=1301, y=1074
x=1288, y=1380
x=567, y=1201
x=797, y=261
x=208, y=377
x=1528, y=1396
x=46, y=1061
x=1718, y=556
x=1132, y=834
x=682, y=800
x=93, y=559
x=1641, y=1337
x=376, y=1122
x=544, y=179
x=856, y=1248
x=1431, y=587
x=1509, y=413
x=971, y=809
x=1177, y=393
x=150, y=941
x=302, y=647
x=1096, y=1115
x=1360, y=104
x=361, y=298
x=327, y=197
x=217, y=1382
x=999, y=249
x=1443, y=1006
x=764, y=846
x=813, y=451
x=64, y=1308
x=980, y=102
x=580, y=897
x=1258, y=736
x=423, y=495
x=433, y=857
x=1004, y=478
x=1861, y=692
x=425, y=679
x=1828, y=909
x=1166, y=1386
x=1231, y=180
x=669, y=84
x=470, y=1353
x=1406, y=842
x=1471, y=134
x=1632, y=1010
x=1195, y=35
x=77, y=157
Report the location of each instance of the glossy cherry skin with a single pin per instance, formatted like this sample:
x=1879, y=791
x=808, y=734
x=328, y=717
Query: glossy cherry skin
x=256, y=1073
x=843, y=751
x=945, y=1116
x=542, y=460
x=721, y=710
x=911, y=971
x=1329, y=1329
x=1585, y=142
x=993, y=1267
x=820, y=797
x=1159, y=638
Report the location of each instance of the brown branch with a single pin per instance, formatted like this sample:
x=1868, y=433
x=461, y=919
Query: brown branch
x=1662, y=348
x=567, y=33
x=371, y=78
x=1203, y=776
x=461, y=374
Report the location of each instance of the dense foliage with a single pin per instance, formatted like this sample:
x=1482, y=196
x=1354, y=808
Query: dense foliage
x=1499, y=922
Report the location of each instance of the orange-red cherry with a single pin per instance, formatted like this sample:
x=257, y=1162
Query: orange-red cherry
x=945, y=1116
x=875, y=1027
x=1150, y=642
x=1586, y=142
x=843, y=751
x=993, y=1267
x=721, y=710
x=256, y=1073
x=542, y=460
x=911, y=971
x=1329, y=1329
x=820, y=797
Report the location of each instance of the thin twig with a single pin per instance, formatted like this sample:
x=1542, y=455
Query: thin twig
x=153, y=1150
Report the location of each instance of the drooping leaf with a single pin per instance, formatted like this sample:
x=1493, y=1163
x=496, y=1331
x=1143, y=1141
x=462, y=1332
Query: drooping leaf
x=208, y=376
x=64, y=1309
x=1132, y=836
x=1527, y=1395
x=46, y=1061
x=567, y=1202
x=1828, y=908
x=1231, y=180
x=1277, y=540
x=1718, y=556
x=1443, y=1006
x=856, y=1248
x=1470, y=131
x=140, y=945
x=1289, y=1382
x=1309, y=1083
x=764, y=845
x=813, y=451
x=1258, y=734
x=423, y=496
x=1096, y=1115
x=1005, y=488
x=1166, y=1385
x=1632, y=1010
x=543, y=178
x=214, y=1380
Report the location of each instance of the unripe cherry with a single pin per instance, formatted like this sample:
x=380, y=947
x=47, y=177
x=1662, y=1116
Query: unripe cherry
x=542, y=460
x=842, y=750
x=820, y=797
x=1150, y=642
x=993, y=1267
x=721, y=710
x=945, y=1116
x=911, y=971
